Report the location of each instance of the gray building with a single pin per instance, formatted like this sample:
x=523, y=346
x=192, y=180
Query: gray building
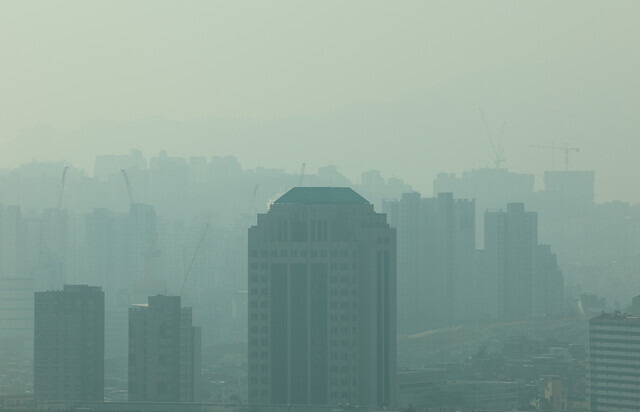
x=164, y=352
x=511, y=238
x=322, y=301
x=69, y=344
x=491, y=188
x=436, y=248
x=613, y=369
x=518, y=278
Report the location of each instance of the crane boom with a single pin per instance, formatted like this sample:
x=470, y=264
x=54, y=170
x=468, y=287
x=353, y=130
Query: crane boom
x=186, y=275
x=566, y=150
x=497, y=150
x=64, y=179
x=126, y=180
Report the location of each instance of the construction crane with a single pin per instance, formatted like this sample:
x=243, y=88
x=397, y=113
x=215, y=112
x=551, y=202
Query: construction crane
x=126, y=180
x=566, y=150
x=253, y=199
x=302, y=174
x=497, y=149
x=186, y=275
x=64, y=178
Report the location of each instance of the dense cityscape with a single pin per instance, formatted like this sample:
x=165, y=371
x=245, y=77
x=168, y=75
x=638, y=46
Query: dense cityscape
x=319, y=206
x=194, y=269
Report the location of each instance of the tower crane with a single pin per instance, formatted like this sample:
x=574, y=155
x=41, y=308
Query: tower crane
x=253, y=199
x=498, y=151
x=186, y=275
x=126, y=180
x=64, y=178
x=566, y=150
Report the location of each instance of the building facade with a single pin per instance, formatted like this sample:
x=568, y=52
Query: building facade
x=511, y=238
x=69, y=344
x=322, y=301
x=613, y=369
x=436, y=248
x=164, y=352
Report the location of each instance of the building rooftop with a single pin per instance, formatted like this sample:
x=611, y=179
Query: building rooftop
x=616, y=317
x=321, y=195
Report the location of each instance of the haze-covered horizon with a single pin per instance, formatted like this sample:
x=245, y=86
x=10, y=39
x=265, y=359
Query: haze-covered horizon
x=362, y=85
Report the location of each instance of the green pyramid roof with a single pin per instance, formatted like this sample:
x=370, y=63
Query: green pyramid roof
x=322, y=195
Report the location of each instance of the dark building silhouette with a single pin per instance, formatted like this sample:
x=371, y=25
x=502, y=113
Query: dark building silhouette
x=436, y=247
x=164, y=352
x=548, y=283
x=322, y=301
x=491, y=188
x=519, y=277
x=69, y=344
x=511, y=238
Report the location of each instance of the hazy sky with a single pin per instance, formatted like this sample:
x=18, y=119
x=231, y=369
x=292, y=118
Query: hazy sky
x=554, y=71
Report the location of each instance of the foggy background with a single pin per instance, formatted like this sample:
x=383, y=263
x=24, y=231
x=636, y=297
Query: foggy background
x=360, y=84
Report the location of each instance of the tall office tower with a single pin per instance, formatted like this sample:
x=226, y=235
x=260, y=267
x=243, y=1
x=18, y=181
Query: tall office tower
x=436, y=248
x=510, y=241
x=322, y=301
x=613, y=368
x=164, y=352
x=69, y=344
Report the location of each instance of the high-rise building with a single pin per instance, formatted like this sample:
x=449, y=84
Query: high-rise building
x=491, y=188
x=164, y=352
x=322, y=301
x=613, y=368
x=436, y=248
x=517, y=276
x=511, y=238
x=548, y=283
x=69, y=344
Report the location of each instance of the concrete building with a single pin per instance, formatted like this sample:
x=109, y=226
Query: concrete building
x=511, y=238
x=548, y=283
x=436, y=248
x=69, y=344
x=322, y=301
x=613, y=369
x=164, y=352
x=491, y=188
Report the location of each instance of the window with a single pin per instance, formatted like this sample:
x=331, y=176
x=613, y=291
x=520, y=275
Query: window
x=299, y=231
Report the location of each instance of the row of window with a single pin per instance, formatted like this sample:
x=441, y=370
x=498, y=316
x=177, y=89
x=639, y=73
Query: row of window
x=304, y=253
